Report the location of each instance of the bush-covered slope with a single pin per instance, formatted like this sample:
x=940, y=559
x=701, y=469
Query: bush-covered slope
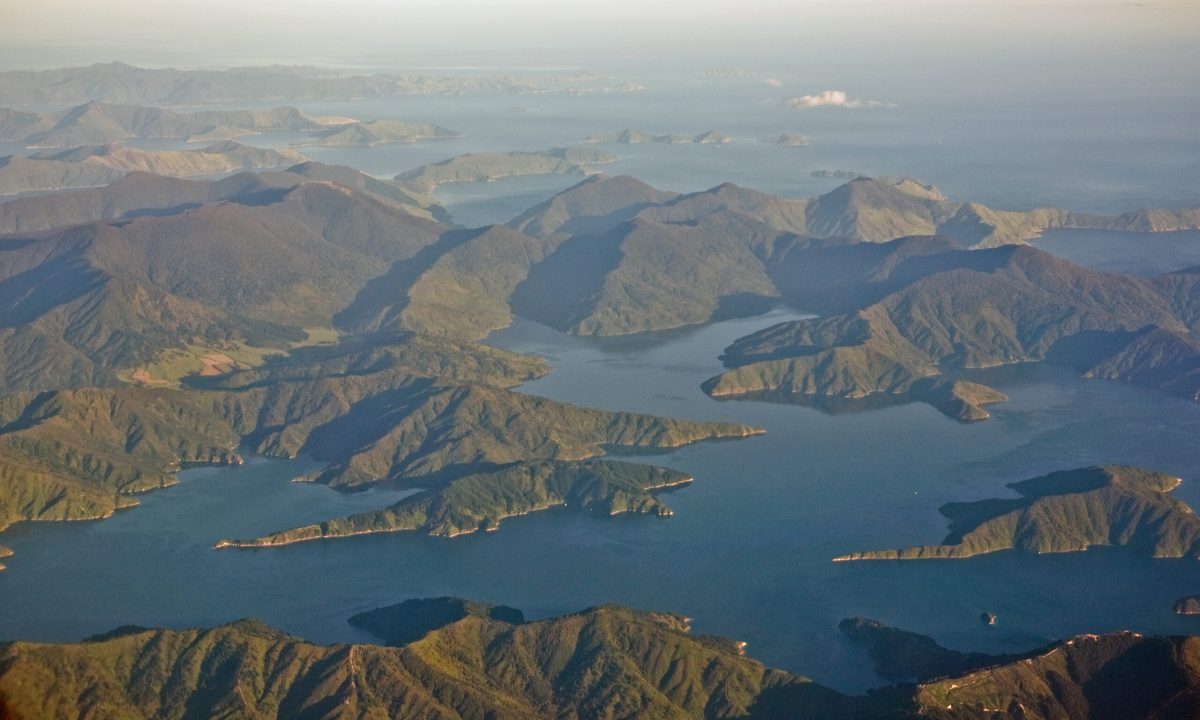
x=603, y=662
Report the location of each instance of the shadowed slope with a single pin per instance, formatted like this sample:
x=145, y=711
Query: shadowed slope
x=1120, y=676
x=904, y=655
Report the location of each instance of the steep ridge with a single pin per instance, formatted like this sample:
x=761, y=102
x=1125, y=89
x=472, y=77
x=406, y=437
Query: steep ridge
x=140, y=193
x=452, y=659
x=1094, y=677
x=592, y=207
x=610, y=256
x=603, y=662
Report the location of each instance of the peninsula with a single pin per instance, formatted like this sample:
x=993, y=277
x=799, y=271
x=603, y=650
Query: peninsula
x=907, y=656
x=1068, y=511
x=480, y=501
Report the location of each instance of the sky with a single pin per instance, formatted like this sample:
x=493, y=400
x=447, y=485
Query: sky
x=1096, y=46
x=292, y=30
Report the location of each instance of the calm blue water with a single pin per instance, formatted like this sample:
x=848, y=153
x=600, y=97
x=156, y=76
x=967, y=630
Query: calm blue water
x=747, y=553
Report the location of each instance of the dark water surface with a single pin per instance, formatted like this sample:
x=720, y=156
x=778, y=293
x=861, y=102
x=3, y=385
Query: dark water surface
x=747, y=553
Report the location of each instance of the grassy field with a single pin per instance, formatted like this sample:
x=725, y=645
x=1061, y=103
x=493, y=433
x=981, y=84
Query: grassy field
x=173, y=365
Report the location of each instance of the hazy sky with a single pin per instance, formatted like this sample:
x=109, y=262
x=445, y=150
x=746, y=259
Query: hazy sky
x=1089, y=41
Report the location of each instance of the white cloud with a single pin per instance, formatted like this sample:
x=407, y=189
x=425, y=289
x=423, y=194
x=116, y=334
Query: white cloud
x=773, y=82
x=833, y=98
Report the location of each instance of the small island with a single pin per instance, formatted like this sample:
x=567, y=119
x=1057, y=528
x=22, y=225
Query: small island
x=638, y=137
x=1189, y=605
x=487, y=167
x=1067, y=511
x=786, y=140
x=379, y=132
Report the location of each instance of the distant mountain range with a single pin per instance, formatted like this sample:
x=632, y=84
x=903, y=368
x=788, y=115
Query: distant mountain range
x=95, y=165
x=118, y=82
x=450, y=659
x=97, y=123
